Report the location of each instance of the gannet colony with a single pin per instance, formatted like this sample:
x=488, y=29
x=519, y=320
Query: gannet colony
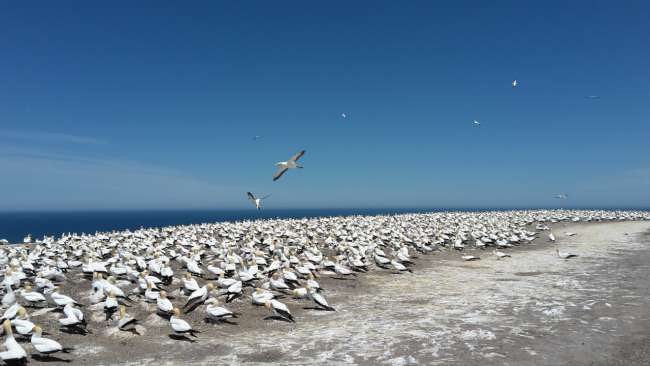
x=109, y=283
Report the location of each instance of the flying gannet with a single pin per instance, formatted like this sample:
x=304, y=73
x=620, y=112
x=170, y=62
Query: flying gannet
x=257, y=201
x=283, y=166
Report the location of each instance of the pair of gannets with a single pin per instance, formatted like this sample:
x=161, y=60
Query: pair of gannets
x=15, y=352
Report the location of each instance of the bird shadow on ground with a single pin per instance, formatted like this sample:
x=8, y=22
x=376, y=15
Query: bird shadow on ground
x=75, y=330
x=277, y=317
x=178, y=337
x=220, y=321
x=22, y=361
x=49, y=358
x=314, y=308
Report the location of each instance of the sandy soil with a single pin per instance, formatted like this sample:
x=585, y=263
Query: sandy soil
x=531, y=309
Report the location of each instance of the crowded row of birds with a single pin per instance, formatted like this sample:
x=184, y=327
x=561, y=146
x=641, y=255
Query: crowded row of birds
x=120, y=280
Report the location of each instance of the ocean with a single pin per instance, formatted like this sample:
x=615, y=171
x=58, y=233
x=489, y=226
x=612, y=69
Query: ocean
x=14, y=226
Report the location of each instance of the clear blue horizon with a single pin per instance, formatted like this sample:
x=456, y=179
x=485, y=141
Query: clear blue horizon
x=154, y=106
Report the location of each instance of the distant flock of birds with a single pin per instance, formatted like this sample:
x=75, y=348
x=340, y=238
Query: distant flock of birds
x=120, y=281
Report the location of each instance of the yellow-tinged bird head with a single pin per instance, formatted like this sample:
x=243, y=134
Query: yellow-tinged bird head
x=6, y=325
x=122, y=310
x=267, y=305
x=21, y=311
x=37, y=329
x=176, y=312
x=210, y=286
x=163, y=294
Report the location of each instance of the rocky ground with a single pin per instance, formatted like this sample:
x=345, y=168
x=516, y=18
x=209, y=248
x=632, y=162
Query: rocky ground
x=530, y=309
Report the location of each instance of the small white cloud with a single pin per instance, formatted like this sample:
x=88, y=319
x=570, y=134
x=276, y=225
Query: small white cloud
x=50, y=137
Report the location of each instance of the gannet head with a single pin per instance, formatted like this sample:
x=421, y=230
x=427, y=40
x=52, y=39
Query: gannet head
x=176, y=312
x=37, y=330
x=6, y=326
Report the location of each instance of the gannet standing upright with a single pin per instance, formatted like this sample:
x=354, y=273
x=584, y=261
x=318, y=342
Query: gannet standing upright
x=283, y=166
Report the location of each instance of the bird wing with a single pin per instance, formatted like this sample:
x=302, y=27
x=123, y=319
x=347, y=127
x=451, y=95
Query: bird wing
x=279, y=173
x=265, y=197
x=297, y=156
x=250, y=196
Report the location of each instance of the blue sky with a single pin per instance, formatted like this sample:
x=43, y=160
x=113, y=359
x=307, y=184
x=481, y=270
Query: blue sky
x=154, y=104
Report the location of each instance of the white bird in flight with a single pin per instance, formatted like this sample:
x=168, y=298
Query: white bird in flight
x=514, y=83
x=283, y=166
x=344, y=115
x=476, y=123
x=255, y=200
x=561, y=196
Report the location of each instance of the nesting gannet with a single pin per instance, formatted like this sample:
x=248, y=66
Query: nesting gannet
x=73, y=319
x=216, y=312
x=163, y=304
x=189, y=283
x=22, y=323
x=110, y=305
x=257, y=201
x=32, y=297
x=283, y=166
x=45, y=345
x=60, y=299
x=551, y=237
x=198, y=297
x=319, y=300
x=261, y=296
x=279, y=309
x=15, y=351
x=9, y=297
x=470, y=258
x=180, y=326
x=125, y=321
x=399, y=266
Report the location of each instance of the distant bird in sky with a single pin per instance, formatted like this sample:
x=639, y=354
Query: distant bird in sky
x=561, y=196
x=283, y=166
x=255, y=200
x=514, y=83
x=344, y=116
x=592, y=97
x=477, y=123
x=256, y=137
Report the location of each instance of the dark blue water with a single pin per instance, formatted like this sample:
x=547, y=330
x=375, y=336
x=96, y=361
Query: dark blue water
x=15, y=225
